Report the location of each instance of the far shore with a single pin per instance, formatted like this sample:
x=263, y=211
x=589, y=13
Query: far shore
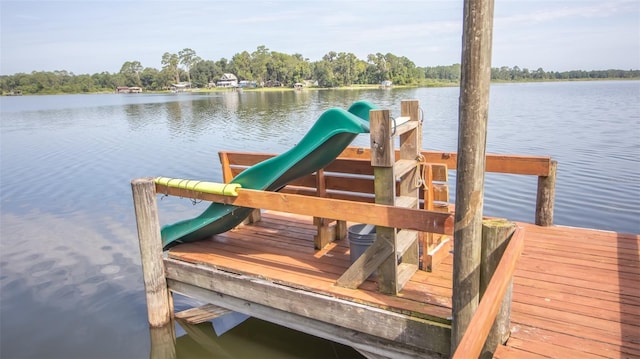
x=313, y=88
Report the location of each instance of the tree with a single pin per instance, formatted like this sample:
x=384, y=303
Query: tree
x=205, y=72
x=240, y=65
x=130, y=70
x=323, y=73
x=105, y=80
x=223, y=65
x=302, y=69
x=345, y=68
x=188, y=58
x=170, y=65
x=150, y=79
x=259, y=61
x=380, y=67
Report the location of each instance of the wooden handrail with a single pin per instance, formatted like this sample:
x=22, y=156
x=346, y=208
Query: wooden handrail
x=511, y=164
x=541, y=166
x=476, y=334
x=376, y=214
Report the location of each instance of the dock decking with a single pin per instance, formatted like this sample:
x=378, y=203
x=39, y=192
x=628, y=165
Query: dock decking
x=576, y=295
x=576, y=291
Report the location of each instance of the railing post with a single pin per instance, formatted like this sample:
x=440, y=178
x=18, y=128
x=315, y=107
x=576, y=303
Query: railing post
x=546, y=196
x=155, y=283
x=495, y=238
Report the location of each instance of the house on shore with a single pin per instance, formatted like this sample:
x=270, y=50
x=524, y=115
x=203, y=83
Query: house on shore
x=127, y=89
x=247, y=84
x=180, y=87
x=273, y=83
x=227, y=80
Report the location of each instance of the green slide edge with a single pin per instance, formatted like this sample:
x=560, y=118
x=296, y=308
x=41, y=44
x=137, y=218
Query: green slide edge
x=334, y=130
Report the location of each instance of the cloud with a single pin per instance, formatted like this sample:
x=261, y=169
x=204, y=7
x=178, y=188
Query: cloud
x=564, y=10
x=290, y=16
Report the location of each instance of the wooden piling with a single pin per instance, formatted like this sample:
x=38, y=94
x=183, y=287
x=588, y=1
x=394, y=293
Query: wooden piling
x=155, y=284
x=472, y=132
x=495, y=237
x=546, y=196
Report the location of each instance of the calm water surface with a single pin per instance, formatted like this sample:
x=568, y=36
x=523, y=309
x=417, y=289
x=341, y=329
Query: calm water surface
x=70, y=277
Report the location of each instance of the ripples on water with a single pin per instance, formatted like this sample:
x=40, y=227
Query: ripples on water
x=70, y=278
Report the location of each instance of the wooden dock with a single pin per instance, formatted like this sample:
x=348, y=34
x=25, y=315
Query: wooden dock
x=575, y=290
x=569, y=293
x=576, y=295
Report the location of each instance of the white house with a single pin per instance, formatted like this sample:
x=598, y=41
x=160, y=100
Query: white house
x=227, y=80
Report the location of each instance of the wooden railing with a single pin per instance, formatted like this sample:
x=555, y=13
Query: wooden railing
x=159, y=301
x=496, y=296
x=541, y=166
x=362, y=212
x=350, y=176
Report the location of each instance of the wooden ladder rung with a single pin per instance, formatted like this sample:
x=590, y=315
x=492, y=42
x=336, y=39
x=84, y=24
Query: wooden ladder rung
x=441, y=206
x=406, y=202
x=404, y=125
x=402, y=167
x=404, y=239
x=405, y=272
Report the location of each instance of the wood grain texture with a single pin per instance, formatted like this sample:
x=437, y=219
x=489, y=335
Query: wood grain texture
x=150, y=241
x=546, y=196
x=475, y=80
x=382, y=215
x=480, y=325
x=575, y=289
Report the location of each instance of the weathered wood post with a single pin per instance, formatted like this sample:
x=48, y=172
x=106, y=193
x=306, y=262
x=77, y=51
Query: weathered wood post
x=495, y=237
x=472, y=134
x=155, y=284
x=382, y=160
x=546, y=196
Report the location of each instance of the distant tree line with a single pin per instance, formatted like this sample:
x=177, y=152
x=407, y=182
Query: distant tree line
x=264, y=66
x=505, y=73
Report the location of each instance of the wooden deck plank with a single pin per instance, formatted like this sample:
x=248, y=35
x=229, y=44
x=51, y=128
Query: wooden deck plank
x=507, y=352
x=550, y=350
x=590, y=261
x=286, y=267
x=616, y=340
x=201, y=314
x=575, y=294
x=529, y=333
x=559, y=284
x=587, y=324
x=608, y=310
x=580, y=276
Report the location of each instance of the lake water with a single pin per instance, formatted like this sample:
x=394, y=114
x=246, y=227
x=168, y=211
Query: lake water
x=70, y=276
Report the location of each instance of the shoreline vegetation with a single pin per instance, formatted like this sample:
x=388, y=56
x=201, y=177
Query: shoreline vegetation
x=316, y=88
x=271, y=70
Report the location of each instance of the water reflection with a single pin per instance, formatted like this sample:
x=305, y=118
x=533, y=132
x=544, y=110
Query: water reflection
x=244, y=341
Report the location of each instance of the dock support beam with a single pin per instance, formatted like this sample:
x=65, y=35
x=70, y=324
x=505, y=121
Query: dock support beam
x=472, y=134
x=159, y=306
x=546, y=196
x=495, y=238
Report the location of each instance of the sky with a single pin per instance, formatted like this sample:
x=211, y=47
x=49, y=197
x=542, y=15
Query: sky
x=92, y=36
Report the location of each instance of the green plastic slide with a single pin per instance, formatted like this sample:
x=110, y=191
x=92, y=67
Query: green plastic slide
x=329, y=136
